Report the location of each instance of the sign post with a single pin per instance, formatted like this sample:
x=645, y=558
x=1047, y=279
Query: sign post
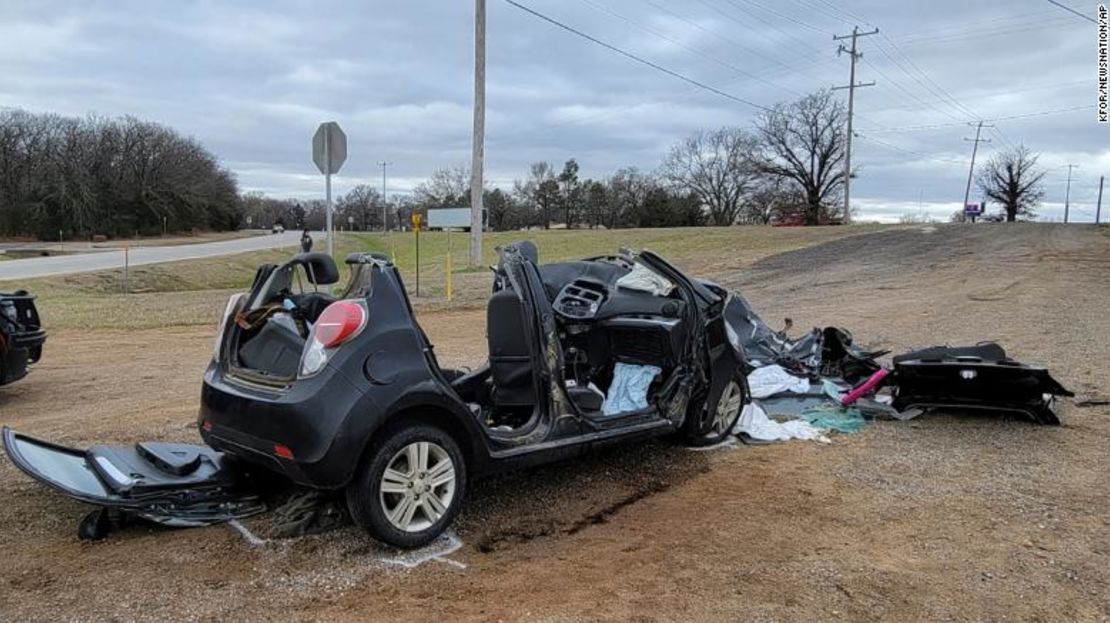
x=973, y=211
x=416, y=231
x=329, y=152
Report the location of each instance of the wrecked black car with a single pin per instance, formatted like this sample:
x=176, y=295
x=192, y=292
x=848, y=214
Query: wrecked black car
x=21, y=335
x=344, y=392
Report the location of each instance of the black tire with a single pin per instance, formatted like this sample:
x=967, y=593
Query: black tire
x=702, y=428
x=368, y=505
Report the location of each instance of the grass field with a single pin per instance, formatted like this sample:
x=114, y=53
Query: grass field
x=193, y=292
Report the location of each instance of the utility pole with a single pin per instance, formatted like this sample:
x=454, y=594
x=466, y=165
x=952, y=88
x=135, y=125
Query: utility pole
x=385, y=201
x=855, y=56
x=1067, y=193
x=974, y=150
x=1098, y=208
x=478, y=144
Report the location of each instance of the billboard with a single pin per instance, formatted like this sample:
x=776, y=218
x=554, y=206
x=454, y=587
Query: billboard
x=449, y=218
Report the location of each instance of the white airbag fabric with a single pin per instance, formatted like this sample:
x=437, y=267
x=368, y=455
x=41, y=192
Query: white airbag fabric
x=628, y=391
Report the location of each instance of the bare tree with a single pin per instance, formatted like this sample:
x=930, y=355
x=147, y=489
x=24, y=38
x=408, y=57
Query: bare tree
x=628, y=190
x=448, y=187
x=539, y=193
x=364, y=204
x=717, y=167
x=804, y=143
x=1013, y=179
x=772, y=198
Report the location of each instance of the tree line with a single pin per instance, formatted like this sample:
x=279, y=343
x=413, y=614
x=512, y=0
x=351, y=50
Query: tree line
x=70, y=177
x=789, y=166
x=119, y=177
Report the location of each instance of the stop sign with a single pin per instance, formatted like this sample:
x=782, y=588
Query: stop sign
x=329, y=148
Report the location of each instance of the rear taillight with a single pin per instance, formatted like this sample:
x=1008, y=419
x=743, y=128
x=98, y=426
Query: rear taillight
x=340, y=322
x=221, y=329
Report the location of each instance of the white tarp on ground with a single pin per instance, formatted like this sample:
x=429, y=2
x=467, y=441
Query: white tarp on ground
x=771, y=380
x=755, y=423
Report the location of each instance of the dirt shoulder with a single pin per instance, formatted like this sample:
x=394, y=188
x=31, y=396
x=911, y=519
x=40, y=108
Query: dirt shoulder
x=945, y=517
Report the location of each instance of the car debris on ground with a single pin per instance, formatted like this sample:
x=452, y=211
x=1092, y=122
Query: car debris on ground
x=581, y=353
x=821, y=382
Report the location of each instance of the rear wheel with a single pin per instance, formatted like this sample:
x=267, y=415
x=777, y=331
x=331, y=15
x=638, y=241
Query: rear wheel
x=712, y=423
x=409, y=487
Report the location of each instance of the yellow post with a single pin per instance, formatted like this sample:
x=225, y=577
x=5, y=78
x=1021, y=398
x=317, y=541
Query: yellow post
x=448, y=270
x=127, y=269
x=447, y=265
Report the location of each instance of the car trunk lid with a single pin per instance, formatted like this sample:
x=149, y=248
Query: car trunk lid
x=172, y=484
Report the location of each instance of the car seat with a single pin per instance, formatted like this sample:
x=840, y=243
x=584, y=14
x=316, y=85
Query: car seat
x=510, y=358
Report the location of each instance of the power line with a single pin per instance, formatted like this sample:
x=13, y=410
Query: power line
x=919, y=154
x=805, y=63
x=934, y=126
x=784, y=16
x=985, y=94
x=1073, y=12
x=643, y=61
x=800, y=47
x=659, y=35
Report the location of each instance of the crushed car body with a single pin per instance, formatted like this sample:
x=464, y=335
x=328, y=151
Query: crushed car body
x=344, y=393
x=21, y=335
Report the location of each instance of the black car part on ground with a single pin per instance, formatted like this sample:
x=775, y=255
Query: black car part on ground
x=828, y=352
x=177, y=485
x=21, y=335
x=979, y=377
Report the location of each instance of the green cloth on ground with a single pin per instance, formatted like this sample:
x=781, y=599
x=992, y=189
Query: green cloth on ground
x=834, y=417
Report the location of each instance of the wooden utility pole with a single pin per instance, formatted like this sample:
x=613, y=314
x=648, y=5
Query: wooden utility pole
x=1067, y=193
x=974, y=150
x=1098, y=206
x=385, y=201
x=852, y=85
x=478, y=145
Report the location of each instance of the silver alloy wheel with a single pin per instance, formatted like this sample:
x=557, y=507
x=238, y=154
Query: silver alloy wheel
x=728, y=405
x=418, y=486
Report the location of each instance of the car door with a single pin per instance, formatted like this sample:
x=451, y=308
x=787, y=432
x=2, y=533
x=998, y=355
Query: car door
x=556, y=419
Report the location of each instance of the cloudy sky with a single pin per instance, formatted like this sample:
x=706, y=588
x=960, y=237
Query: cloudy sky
x=253, y=79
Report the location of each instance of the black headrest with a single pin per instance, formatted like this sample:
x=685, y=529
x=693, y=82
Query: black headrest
x=319, y=267
x=528, y=249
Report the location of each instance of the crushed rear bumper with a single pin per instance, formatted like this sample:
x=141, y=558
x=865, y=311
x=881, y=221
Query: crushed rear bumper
x=177, y=485
x=979, y=377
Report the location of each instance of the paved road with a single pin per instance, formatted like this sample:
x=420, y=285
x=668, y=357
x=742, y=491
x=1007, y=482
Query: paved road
x=105, y=260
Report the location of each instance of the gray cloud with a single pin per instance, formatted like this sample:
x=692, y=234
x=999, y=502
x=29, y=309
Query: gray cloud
x=251, y=80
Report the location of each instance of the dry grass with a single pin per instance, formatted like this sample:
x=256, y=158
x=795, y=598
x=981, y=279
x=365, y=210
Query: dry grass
x=193, y=292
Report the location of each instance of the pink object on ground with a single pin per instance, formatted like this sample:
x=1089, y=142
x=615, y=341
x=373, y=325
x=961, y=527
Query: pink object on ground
x=865, y=388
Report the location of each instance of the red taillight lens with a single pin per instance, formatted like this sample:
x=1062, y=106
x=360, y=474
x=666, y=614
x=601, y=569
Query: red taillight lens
x=340, y=322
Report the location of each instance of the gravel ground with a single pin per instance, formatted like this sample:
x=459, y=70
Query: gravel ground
x=947, y=517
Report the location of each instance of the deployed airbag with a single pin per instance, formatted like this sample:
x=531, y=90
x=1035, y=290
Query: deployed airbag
x=628, y=391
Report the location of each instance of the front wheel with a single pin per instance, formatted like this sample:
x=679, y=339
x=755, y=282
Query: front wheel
x=712, y=423
x=409, y=487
